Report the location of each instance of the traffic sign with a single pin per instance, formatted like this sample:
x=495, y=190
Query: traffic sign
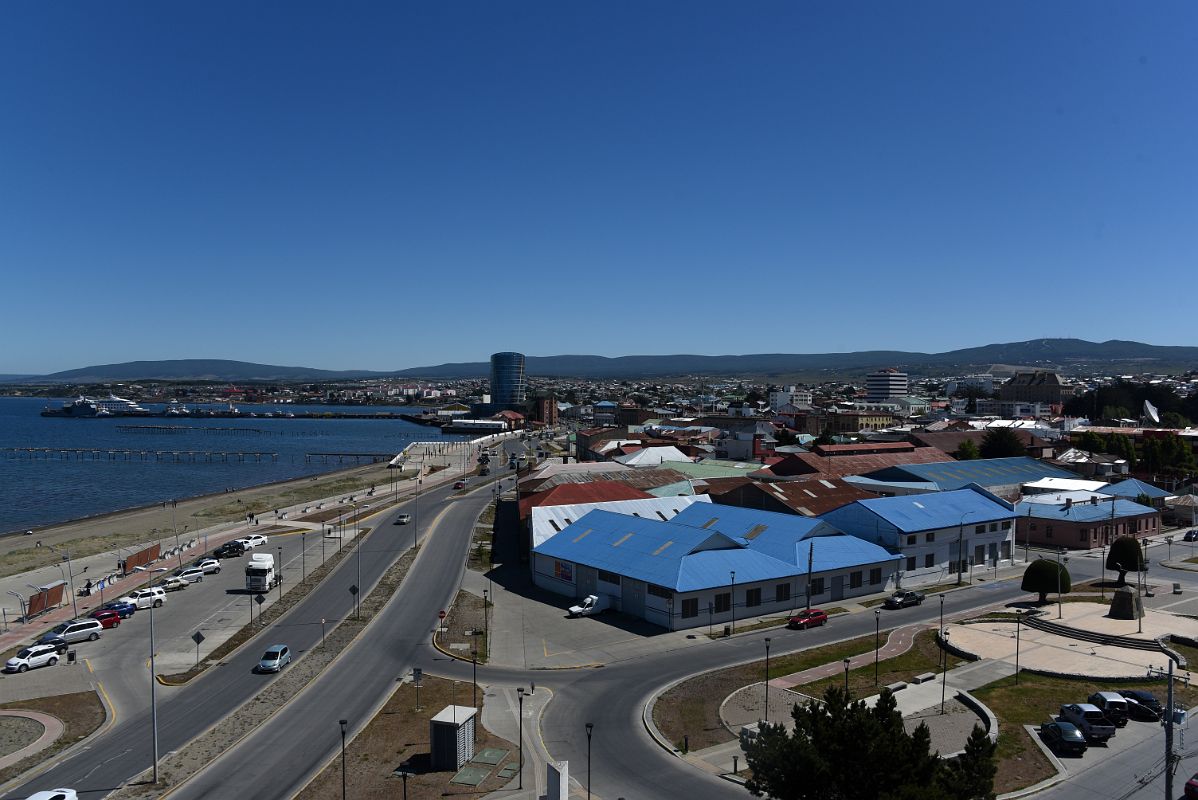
x=197, y=637
x=354, y=590
x=260, y=599
x=441, y=614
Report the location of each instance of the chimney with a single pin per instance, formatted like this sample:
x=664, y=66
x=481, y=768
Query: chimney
x=1068, y=503
x=1093, y=501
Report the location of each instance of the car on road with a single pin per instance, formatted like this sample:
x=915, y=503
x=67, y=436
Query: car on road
x=210, y=566
x=484, y=471
x=591, y=604
x=107, y=618
x=121, y=607
x=1144, y=700
x=459, y=485
x=191, y=574
x=35, y=655
x=1063, y=737
x=54, y=794
x=76, y=630
x=1191, y=536
x=402, y=519
x=231, y=549
x=274, y=659
x=252, y=541
x=903, y=599
x=810, y=618
x=174, y=583
x=1191, y=792
x=146, y=598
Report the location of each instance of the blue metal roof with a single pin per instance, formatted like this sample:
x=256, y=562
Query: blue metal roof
x=950, y=475
x=689, y=558
x=1084, y=512
x=1134, y=488
x=751, y=523
x=924, y=512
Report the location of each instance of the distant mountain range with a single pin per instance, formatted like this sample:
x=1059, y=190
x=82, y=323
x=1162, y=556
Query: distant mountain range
x=1066, y=355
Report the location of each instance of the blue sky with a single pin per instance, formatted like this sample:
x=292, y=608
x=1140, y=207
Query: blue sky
x=387, y=185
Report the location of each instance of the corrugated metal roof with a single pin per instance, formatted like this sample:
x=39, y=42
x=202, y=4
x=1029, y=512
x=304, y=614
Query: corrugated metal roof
x=924, y=512
x=1066, y=485
x=840, y=466
x=716, y=469
x=1134, y=488
x=984, y=472
x=738, y=522
x=548, y=521
x=599, y=491
x=1084, y=512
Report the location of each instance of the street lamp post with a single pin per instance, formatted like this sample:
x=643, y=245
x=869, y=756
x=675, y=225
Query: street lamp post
x=1018, y=625
x=942, y=621
x=944, y=672
x=1060, y=550
x=486, y=621
x=343, y=723
x=1102, y=574
x=732, y=601
x=877, y=640
x=767, y=679
x=846, y=678
x=153, y=696
x=474, y=671
x=303, y=556
x=280, y=572
x=358, y=547
x=66, y=556
x=590, y=727
x=520, y=698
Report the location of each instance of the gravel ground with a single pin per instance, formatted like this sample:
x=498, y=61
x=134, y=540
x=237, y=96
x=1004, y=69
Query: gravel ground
x=18, y=732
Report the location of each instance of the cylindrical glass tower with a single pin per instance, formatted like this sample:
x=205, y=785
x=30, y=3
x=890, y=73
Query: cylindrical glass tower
x=508, y=385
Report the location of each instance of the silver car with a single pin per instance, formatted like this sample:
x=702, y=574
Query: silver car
x=275, y=658
x=35, y=655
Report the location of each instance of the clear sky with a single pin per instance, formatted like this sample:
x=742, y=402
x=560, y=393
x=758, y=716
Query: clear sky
x=386, y=185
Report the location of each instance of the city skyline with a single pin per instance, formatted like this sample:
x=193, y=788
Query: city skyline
x=383, y=187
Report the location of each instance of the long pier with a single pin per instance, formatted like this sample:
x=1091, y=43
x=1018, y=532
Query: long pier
x=373, y=458
x=105, y=454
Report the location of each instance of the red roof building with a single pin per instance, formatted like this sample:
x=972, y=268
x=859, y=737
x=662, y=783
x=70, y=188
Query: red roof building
x=572, y=493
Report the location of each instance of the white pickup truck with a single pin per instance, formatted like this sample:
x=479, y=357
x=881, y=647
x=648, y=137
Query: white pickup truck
x=591, y=604
x=1089, y=719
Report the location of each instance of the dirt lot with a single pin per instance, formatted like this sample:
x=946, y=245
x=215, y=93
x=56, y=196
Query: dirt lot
x=82, y=713
x=465, y=629
x=399, y=737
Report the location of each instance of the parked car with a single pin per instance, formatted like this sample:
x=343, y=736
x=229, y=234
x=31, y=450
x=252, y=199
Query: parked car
x=76, y=630
x=485, y=471
x=174, y=583
x=252, y=541
x=231, y=549
x=1141, y=713
x=35, y=655
x=121, y=607
x=146, y=598
x=591, y=604
x=903, y=599
x=107, y=618
x=811, y=618
x=1112, y=705
x=191, y=574
x=1063, y=737
x=1191, y=535
x=402, y=519
x=1144, y=699
x=275, y=658
x=1191, y=792
x=1089, y=720
x=210, y=566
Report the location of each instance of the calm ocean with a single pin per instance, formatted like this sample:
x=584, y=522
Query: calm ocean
x=46, y=490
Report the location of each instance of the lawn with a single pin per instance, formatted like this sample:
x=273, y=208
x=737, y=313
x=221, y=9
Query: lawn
x=924, y=656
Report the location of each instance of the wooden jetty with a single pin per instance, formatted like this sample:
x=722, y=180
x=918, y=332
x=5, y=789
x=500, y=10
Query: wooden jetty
x=103, y=454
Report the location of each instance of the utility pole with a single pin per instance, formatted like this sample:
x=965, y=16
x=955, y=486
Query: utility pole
x=1171, y=759
x=810, y=563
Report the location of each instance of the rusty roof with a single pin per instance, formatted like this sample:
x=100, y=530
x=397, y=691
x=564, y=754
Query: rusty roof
x=840, y=466
x=807, y=497
x=599, y=491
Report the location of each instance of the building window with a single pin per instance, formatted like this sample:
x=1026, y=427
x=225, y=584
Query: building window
x=1006, y=524
x=980, y=529
x=609, y=577
x=910, y=540
x=781, y=592
x=753, y=597
x=993, y=527
x=1083, y=538
x=723, y=602
x=817, y=587
x=911, y=564
x=659, y=591
x=855, y=580
x=690, y=607
x=875, y=576
x=929, y=560
x=931, y=537
x=1047, y=531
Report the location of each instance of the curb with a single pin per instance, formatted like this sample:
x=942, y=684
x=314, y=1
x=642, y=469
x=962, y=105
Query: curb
x=1048, y=782
x=38, y=769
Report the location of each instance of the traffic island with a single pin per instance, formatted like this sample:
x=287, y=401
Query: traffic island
x=397, y=741
x=80, y=715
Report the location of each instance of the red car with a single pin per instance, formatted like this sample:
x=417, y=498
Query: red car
x=1192, y=788
x=108, y=619
x=811, y=618
x=460, y=485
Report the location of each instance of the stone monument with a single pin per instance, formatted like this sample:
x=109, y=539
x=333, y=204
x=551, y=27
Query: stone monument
x=1126, y=604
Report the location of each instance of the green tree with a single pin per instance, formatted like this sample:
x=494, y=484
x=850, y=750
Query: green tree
x=825, y=437
x=1115, y=413
x=1092, y=442
x=1144, y=499
x=971, y=774
x=967, y=451
x=1122, y=446
x=1124, y=556
x=1171, y=419
x=785, y=436
x=844, y=750
x=1002, y=443
x=1043, y=576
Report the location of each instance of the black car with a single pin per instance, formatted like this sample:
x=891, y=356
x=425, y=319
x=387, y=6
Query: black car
x=1063, y=737
x=1141, y=713
x=1191, y=536
x=230, y=550
x=1145, y=699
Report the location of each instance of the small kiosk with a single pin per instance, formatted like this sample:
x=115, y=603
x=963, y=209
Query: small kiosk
x=451, y=734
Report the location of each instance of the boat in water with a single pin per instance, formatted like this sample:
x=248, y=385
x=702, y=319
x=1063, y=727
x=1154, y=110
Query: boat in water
x=111, y=406
x=176, y=409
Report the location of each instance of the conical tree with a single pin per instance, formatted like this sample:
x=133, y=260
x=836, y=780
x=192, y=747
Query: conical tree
x=970, y=776
x=1043, y=576
x=1124, y=556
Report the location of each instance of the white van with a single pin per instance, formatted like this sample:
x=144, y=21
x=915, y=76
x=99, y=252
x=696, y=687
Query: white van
x=145, y=598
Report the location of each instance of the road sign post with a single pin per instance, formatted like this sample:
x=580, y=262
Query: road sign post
x=197, y=637
x=353, y=590
x=417, y=672
x=259, y=599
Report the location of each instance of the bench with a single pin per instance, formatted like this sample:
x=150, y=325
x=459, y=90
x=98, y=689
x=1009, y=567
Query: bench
x=895, y=687
x=924, y=678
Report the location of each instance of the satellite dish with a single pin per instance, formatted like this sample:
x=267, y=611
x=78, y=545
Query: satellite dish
x=1151, y=413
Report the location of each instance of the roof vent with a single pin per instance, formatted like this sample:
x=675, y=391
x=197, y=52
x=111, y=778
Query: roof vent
x=1068, y=503
x=1093, y=501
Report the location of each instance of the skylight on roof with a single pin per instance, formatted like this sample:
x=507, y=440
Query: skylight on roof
x=621, y=540
x=829, y=484
x=917, y=504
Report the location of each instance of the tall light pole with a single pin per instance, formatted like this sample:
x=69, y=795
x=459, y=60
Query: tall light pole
x=66, y=556
x=732, y=601
x=358, y=547
x=520, y=698
x=877, y=640
x=1018, y=621
x=343, y=723
x=767, y=680
x=153, y=696
x=846, y=679
x=590, y=727
x=1102, y=575
x=280, y=572
x=303, y=555
x=942, y=624
x=175, y=526
x=944, y=672
x=1060, y=550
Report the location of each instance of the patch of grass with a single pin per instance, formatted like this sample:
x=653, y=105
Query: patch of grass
x=300, y=493
x=761, y=624
x=81, y=714
x=692, y=708
x=924, y=656
x=466, y=614
x=1033, y=701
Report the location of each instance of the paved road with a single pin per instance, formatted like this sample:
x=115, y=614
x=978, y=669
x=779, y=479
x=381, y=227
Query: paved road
x=125, y=750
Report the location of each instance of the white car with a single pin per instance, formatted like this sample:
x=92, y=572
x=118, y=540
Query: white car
x=191, y=574
x=210, y=566
x=35, y=655
x=174, y=583
x=54, y=794
x=145, y=598
x=253, y=540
